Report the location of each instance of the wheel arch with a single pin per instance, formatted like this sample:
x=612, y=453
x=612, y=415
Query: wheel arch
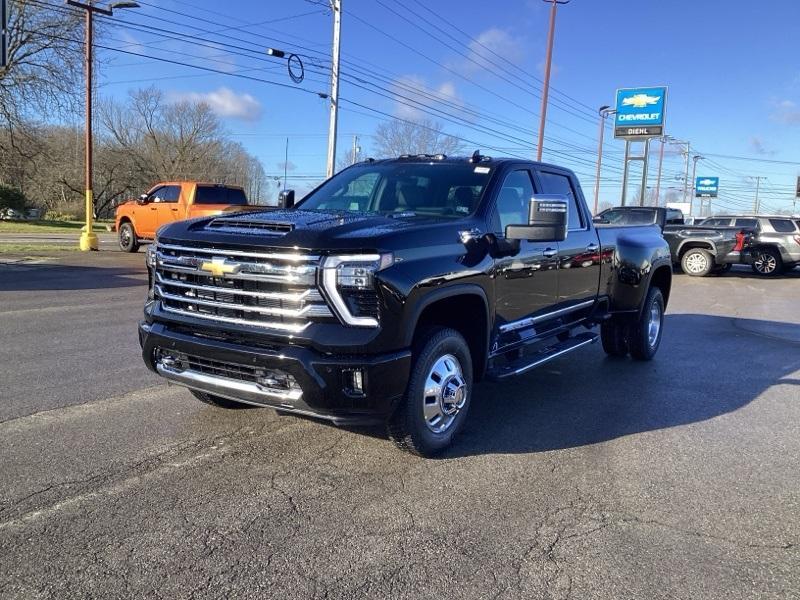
x=691, y=244
x=464, y=308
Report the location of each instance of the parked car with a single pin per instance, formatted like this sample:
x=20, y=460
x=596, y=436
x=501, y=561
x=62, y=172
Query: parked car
x=166, y=202
x=699, y=250
x=393, y=287
x=776, y=241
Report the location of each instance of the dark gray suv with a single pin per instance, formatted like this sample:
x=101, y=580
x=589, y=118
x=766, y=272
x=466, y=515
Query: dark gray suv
x=776, y=242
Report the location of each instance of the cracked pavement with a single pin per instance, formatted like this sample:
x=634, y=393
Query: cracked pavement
x=589, y=478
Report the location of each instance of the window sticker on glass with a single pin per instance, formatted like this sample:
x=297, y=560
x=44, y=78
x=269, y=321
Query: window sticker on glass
x=483, y=170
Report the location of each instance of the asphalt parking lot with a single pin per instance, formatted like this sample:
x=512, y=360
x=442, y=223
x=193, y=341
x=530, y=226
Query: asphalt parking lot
x=589, y=478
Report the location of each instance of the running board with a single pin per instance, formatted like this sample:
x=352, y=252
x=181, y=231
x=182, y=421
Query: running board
x=526, y=363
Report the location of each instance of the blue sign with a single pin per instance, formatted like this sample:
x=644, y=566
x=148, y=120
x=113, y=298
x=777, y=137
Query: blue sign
x=706, y=187
x=640, y=112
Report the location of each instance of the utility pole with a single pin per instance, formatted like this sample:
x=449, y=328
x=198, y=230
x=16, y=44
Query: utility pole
x=695, y=158
x=604, y=111
x=285, y=163
x=756, y=203
x=686, y=177
x=548, y=65
x=356, y=150
x=88, y=239
x=336, y=6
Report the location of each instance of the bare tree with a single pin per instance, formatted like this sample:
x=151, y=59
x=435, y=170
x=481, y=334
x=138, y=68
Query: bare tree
x=44, y=64
x=425, y=136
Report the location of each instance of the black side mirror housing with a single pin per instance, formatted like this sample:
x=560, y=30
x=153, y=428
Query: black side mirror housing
x=142, y=199
x=547, y=220
x=286, y=199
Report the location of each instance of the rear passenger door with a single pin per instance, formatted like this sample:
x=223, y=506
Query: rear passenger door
x=579, y=254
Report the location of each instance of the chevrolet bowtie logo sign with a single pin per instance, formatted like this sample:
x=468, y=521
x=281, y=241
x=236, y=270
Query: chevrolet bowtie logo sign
x=219, y=267
x=707, y=182
x=640, y=100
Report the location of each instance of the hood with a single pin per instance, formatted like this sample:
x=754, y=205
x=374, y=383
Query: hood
x=318, y=230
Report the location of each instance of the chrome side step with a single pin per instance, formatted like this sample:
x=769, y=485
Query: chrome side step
x=526, y=363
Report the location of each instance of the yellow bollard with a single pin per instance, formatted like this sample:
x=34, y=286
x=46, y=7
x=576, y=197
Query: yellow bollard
x=88, y=240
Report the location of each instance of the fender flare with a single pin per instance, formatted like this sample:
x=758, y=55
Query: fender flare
x=458, y=289
x=713, y=248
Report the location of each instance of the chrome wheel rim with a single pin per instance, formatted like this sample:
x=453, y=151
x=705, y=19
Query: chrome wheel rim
x=696, y=263
x=125, y=237
x=445, y=393
x=654, y=324
x=765, y=263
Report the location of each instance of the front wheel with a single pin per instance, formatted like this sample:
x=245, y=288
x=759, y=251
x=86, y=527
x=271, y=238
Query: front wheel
x=128, y=241
x=767, y=262
x=437, y=398
x=644, y=336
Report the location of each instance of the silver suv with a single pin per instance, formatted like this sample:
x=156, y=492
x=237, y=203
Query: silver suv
x=776, y=243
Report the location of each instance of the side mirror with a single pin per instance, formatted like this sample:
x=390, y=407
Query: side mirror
x=600, y=220
x=142, y=199
x=286, y=199
x=547, y=221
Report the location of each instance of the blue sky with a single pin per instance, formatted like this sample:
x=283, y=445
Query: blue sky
x=732, y=69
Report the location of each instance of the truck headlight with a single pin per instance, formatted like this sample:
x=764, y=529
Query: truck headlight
x=150, y=256
x=350, y=284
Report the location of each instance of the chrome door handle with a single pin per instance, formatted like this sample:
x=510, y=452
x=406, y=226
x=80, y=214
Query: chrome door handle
x=549, y=252
x=592, y=248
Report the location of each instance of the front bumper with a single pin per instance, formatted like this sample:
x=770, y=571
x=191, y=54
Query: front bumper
x=323, y=380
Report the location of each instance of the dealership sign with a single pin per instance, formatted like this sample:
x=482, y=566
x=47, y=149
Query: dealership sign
x=640, y=112
x=706, y=187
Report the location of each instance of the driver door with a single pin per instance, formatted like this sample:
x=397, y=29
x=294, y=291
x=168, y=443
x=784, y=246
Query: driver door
x=526, y=281
x=147, y=213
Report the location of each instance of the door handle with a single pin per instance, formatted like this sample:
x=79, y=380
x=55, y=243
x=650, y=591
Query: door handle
x=153, y=208
x=592, y=248
x=174, y=209
x=549, y=252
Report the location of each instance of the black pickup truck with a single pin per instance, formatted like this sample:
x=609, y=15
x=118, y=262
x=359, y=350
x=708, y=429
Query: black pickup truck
x=699, y=250
x=393, y=287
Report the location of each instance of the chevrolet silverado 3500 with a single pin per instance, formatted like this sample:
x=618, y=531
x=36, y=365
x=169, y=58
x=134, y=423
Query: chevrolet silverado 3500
x=394, y=286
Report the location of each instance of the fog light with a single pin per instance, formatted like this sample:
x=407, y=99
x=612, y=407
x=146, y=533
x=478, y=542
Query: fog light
x=354, y=382
x=174, y=361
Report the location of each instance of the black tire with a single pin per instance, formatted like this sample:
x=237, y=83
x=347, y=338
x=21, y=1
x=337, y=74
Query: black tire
x=614, y=336
x=408, y=427
x=767, y=262
x=697, y=262
x=128, y=242
x=218, y=401
x=644, y=340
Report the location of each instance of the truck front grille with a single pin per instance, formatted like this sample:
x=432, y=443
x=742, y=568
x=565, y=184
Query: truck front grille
x=272, y=290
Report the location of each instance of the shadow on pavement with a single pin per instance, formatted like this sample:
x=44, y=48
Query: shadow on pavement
x=745, y=272
x=53, y=276
x=707, y=366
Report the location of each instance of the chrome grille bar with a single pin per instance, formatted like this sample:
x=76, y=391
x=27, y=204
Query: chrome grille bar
x=270, y=290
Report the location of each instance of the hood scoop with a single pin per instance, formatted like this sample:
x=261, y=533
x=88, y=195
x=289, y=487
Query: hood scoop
x=233, y=225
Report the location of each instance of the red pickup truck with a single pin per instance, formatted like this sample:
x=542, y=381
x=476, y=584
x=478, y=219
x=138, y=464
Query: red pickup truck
x=138, y=220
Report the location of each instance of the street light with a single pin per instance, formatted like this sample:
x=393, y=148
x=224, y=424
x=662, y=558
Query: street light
x=548, y=64
x=88, y=239
x=603, y=111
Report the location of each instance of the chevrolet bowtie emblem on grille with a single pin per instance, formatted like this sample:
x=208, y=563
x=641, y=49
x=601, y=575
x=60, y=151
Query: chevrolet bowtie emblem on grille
x=219, y=266
x=640, y=100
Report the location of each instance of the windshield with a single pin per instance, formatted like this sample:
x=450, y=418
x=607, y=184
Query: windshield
x=408, y=189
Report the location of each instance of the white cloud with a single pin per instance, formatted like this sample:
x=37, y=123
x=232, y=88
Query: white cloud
x=485, y=48
x=226, y=103
x=787, y=112
x=415, y=87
